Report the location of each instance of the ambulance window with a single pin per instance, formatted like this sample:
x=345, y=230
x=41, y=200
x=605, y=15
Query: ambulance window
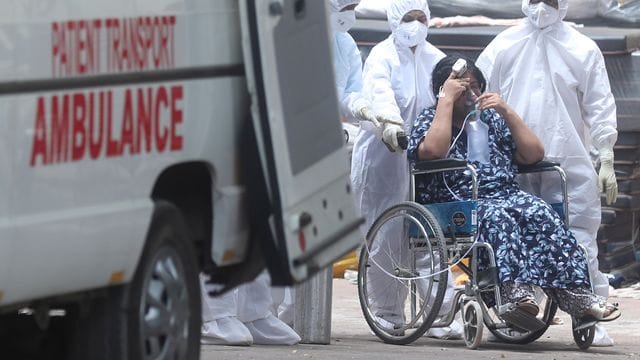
x=308, y=91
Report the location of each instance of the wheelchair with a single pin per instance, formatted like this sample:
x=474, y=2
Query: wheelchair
x=411, y=271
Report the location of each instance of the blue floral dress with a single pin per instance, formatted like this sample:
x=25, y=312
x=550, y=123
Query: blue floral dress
x=531, y=243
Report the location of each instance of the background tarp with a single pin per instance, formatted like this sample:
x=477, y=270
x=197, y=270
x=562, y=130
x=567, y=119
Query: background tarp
x=622, y=12
x=614, y=12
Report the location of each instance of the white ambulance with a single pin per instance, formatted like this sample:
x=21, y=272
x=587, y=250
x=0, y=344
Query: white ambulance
x=144, y=141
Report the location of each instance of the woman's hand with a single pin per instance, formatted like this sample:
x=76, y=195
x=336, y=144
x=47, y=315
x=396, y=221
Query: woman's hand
x=529, y=149
x=493, y=101
x=437, y=140
x=453, y=88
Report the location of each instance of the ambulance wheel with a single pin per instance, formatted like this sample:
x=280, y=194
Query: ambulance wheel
x=164, y=311
x=155, y=316
x=398, y=298
x=473, y=324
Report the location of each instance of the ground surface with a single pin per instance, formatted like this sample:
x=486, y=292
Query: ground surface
x=351, y=339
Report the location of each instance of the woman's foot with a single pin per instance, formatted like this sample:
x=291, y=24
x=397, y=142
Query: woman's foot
x=556, y=321
x=607, y=312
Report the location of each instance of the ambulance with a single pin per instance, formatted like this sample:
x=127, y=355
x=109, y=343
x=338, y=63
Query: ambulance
x=145, y=142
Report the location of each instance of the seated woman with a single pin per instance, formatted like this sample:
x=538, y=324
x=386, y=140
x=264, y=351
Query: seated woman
x=532, y=245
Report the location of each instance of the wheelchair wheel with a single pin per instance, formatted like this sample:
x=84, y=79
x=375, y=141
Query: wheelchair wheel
x=473, y=324
x=513, y=336
x=402, y=273
x=583, y=335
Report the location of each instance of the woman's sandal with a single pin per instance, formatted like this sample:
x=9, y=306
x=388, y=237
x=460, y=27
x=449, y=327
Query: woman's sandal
x=608, y=312
x=529, y=306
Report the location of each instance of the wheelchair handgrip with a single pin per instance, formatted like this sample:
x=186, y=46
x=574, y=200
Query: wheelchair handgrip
x=403, y=141
x=538, y=167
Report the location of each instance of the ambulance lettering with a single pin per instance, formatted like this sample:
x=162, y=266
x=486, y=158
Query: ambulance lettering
x=132, y=44
x=73, y=127
x=140, y=43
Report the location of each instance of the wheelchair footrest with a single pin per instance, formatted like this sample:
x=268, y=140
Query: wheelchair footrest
x=519, y=319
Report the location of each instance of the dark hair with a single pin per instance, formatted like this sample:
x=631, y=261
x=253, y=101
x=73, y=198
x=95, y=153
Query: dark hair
x=442, y=70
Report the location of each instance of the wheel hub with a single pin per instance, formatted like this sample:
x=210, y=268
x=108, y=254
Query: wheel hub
x=165, y=308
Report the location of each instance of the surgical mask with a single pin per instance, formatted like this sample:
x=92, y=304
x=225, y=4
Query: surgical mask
x=543, y=15
x=343, y=21
x=411, y=34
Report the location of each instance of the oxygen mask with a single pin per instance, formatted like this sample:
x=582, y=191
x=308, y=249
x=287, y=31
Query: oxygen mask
x=471, y=100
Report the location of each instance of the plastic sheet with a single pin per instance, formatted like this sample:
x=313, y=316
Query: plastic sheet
x=504, y=9
x=622, y=12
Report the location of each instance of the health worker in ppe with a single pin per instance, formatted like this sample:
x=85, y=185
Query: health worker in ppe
x=243, y=316
x=556, y=79
x=354, y=107
x=396, y=79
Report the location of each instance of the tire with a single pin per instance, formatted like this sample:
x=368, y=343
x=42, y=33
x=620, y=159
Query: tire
x=418, y=309
x=155, y=316
x=583, y=337
x=519, y=338
x=473, y=324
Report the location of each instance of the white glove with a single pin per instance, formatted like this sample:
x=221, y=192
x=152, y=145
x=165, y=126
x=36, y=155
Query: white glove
x=365, y=114
x=607, y=176
x=390, y=136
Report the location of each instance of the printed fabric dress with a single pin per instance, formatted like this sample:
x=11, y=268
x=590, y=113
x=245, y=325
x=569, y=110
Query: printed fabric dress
x=532, y=246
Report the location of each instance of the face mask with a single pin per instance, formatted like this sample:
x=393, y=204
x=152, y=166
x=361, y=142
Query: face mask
x=470, y=98
x=411, y=34
x=343, y=21
x=543, y=15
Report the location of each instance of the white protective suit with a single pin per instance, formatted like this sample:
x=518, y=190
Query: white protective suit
x=397, y=82
x=556, y=79
x=220, y=324
x=347, y=64
x=243, y=316
x=354, y=107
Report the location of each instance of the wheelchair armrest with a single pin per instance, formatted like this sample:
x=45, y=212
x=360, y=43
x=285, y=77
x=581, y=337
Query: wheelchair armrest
x=431, y=166
x=540, y=166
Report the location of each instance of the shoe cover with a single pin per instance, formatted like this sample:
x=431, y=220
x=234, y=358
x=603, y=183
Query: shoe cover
x=255, y=299
x=217, y=307
x=451, y=332
x=286, y=310
x=272, y=331
x=601, y=337
x=226, y=331
x=286, y=314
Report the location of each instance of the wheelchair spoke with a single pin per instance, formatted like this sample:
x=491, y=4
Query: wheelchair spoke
x=398, y=279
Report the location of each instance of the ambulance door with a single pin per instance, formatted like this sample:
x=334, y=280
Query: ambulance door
x=287, y=53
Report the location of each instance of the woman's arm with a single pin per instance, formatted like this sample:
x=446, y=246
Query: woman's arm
x=437, y=141
x=529, y=148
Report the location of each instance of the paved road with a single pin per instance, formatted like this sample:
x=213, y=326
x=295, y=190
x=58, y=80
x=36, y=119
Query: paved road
x=351, y=339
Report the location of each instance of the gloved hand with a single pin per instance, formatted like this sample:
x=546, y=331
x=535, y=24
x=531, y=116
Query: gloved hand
x=390, y=136
x=365, y=114
x=607, y=176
